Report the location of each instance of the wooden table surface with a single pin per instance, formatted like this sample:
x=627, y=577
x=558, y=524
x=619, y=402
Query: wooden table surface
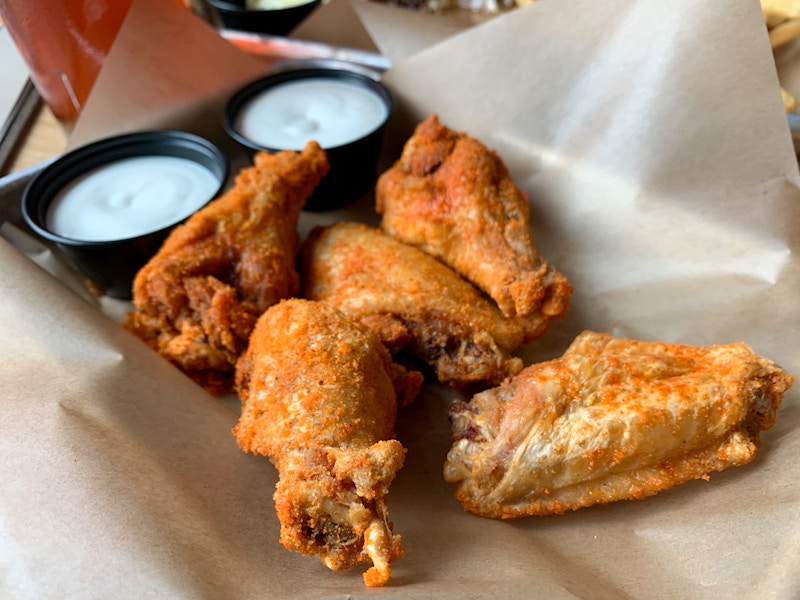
x=44, y=139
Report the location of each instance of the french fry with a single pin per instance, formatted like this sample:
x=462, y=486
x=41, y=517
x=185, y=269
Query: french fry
x=784, y=33
x=778, y=11
x=782, y=18
x=773, y=19
x=790, y=103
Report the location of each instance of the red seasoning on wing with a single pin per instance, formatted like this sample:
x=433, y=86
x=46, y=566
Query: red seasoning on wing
x=421, y=309
x=452, y=197
x=320, y=395
x=612, y=419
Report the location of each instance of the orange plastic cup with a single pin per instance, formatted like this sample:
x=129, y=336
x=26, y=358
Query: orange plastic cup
x=64, y=44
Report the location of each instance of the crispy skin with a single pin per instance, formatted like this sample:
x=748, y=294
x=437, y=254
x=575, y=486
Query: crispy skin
x=612, y=419
x=454, y=198
x=197, y=300
x=418, y=306
x=319, y=395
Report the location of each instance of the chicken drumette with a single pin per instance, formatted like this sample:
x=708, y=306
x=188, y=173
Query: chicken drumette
x=319, y=396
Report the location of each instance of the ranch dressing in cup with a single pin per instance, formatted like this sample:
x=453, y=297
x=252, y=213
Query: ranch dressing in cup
x=344, y=110
x=130, y=197
x=332, y=112
x=109, y=205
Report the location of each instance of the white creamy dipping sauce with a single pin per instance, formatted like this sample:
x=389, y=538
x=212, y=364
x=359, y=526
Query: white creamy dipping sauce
x=273, y=4
x=331, y=112
x=130, y=197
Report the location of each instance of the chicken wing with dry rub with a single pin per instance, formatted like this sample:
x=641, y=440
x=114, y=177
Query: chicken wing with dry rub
x=197, y=300
x=612, y=419
x=319, y=398
x=454, y=198
x=420, y=308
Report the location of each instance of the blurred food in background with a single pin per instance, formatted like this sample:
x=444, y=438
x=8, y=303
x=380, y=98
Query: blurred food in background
x=487, y=7
x=782, y=18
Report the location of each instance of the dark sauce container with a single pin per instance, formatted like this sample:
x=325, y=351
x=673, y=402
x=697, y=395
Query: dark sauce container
x=112, y=265
x=353, y=164
x=234, y=14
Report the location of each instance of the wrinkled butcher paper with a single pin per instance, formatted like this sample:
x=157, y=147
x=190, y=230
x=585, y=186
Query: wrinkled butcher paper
x=663, y=183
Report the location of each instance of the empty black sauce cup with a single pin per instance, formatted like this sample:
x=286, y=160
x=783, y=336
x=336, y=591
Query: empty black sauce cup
x=280, y=20
x=353, y=163
x=111, y=265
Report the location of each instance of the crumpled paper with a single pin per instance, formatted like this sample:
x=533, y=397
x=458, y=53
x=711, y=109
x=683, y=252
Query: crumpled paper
x=662, y=182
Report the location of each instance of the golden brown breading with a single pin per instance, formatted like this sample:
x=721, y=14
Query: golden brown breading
x=320, y=397
x=199, y=297
x=452, y=197
x=612, y=419
x=418, y=306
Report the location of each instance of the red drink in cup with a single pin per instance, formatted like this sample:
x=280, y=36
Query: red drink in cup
x=64, y=44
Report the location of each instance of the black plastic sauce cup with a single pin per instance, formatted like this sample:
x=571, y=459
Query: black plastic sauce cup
x=353, y=165
x=112, y=265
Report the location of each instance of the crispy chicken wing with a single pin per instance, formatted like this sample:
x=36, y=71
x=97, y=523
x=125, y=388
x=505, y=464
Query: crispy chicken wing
x=419, y=307
x=197, y=300
x=611, y=419
x=319, y=397
x=454, y=198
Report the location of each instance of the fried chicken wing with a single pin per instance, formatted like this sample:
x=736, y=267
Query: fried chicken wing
x=454, y=198
x=319, y=398
x=611, y=419
x=197, y=300
x=419, y=307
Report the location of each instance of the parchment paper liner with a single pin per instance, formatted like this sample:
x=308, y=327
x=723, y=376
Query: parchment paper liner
x=663, y=183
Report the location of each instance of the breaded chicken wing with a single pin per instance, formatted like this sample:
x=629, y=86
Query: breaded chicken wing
x=319, y=398
x=612, y=419
x=452, y=197
x=197, y=300
x=419, y=307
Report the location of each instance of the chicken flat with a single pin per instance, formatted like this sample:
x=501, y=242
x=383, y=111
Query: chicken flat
x=420, y=308
x=611, y=419
x=319, y=397
x=452, y=197
x=197, y=300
